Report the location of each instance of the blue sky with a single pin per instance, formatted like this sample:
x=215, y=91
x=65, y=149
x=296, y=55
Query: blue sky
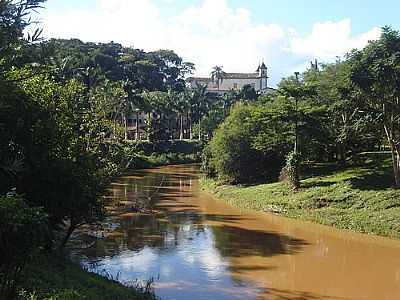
x=237, y=34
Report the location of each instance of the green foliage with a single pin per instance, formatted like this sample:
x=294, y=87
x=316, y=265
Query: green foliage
x=157, y=131
x=374, y=71
x=22, y=231
x=245, y=147
x=145, y=154
x=14, y=19
x=248, y=93
x=207, y=166
x=93, y=63
x=56, y=137
x=64, y=134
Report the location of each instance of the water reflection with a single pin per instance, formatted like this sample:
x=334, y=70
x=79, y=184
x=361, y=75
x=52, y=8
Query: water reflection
x=196, y=247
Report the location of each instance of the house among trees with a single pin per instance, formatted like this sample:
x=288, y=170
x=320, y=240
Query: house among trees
x=221, y=82
x=175, y=127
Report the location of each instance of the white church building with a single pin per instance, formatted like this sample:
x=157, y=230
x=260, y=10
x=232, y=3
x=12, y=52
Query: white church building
x=234, y=81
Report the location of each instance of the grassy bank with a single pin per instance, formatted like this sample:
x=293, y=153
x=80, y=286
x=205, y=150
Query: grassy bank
x=359, y=198
x=55, y=278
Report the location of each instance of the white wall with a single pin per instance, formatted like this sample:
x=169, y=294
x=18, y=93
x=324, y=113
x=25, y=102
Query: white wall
x=228, y=84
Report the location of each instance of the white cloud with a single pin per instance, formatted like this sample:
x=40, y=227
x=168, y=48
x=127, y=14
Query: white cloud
x=330, y=39
x=208, y=34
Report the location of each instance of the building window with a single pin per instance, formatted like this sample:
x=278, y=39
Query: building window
x=235, y=86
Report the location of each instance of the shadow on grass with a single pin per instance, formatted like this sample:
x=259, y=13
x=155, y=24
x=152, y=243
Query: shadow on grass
x=310, y=170
x=317, y=184
x=373, y=181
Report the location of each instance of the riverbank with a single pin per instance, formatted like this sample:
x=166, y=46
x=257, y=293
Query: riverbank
x=358, y=198
x=56, y=278
x=148, y=155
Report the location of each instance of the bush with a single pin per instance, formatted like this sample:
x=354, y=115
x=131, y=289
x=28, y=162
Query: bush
x=207, y=166
x=22, y=232
x=245, y=148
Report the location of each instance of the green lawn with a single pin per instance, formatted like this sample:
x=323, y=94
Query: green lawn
x=359, y=198
x=54, y=278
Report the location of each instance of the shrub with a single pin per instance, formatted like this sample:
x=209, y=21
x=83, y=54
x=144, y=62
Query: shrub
x=206, y=162
x=245, y=148
x=22, y=232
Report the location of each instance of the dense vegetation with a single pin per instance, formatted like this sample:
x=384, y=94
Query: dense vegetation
x=332, y=132
x=250, y=145
x=63, y=111
x=64, y=106
x=331, y=112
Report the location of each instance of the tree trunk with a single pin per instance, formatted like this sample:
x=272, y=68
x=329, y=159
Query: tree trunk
x=137, y=126
x=341, y=156
x=190, y=129
x=181, y=129
x=395, y=149
x=170, y=129
x=200, y=129
x=70, y=230
x=125, y=128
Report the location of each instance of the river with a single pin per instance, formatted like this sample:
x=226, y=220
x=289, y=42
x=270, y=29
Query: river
x=196, y=247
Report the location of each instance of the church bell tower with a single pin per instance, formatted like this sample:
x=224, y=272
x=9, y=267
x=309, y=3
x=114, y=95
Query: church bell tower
x=263, y=75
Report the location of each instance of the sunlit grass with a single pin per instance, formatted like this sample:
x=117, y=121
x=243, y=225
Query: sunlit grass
x=359, y=198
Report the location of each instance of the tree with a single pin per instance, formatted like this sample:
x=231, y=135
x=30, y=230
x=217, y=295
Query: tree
x=375, y=70
x=181, y=105
x=199, y=105
x=248, y=93
x=54, y=130
x=293, y=90
x=217, y=74
x=160, y=106
x=344, y=126
x=15, y=17
x=250, y=145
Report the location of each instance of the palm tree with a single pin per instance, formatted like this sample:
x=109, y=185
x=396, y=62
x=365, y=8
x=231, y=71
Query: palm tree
x=217, y=74
x=182, y=108
x=199, y=103
x=178, y=106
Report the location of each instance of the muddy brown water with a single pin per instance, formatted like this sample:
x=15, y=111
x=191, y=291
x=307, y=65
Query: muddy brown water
x=196, y=247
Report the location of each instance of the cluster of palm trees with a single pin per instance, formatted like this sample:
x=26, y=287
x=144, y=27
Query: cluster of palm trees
x=178, y=112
